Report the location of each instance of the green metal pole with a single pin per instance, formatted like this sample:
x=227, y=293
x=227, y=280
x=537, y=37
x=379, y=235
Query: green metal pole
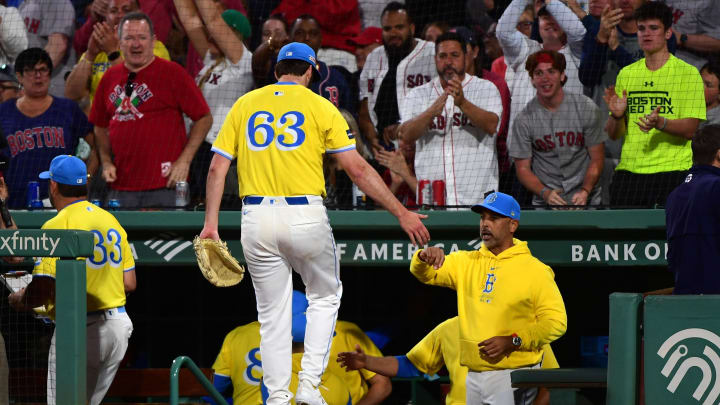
x=177, y=364
x=70, y=332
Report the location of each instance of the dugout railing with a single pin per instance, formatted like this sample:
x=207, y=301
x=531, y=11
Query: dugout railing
x=70, y=299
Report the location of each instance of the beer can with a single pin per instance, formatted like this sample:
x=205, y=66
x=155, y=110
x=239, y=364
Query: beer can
x=33, y=194
x=181, y=194
x=96, y=202
x=424, y=194
x=438, y=192
x=359, y=198
x=113, y=204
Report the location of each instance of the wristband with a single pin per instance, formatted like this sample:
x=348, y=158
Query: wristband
x=616, y=117
x=113, y=55
x=542, y=192
x=664, y=124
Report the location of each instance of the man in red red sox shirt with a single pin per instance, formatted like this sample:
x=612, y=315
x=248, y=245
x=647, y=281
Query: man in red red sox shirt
x=138, y=117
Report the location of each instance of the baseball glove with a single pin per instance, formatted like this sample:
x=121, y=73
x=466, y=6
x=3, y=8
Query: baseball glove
x=216, y=263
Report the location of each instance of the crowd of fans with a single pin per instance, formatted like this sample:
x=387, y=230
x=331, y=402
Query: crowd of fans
x=520, y=97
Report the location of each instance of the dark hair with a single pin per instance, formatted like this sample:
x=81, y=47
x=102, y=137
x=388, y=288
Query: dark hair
x=294, y=67
x=655, y=10
x=451, y=36
x=136, y=16
x=67, y=190
x=31, y=57
x=302, y=17
x=543, y=12
x=442, y=25
x=281, y=18
x=705, y=144
x=532, y=62
x=712, y=67
x=395, y=6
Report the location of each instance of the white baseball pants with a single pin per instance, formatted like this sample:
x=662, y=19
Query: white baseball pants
x=108, y=333
x=278, y=237
x=495, y=388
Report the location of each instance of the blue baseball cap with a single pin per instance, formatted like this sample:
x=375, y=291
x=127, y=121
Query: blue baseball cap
x=299, y=320
x=499, y=203
x=66, y=169
x=298, y=51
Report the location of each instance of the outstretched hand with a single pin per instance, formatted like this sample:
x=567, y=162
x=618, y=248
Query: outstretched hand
x=411, y=223
x=352, y=360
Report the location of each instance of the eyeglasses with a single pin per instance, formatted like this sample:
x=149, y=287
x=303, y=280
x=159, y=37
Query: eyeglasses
x=524, y=24
x=130, y=84
x=43, y=71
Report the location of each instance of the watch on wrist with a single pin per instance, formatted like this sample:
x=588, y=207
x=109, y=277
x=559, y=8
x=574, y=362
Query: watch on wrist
x=113, y=55
x=516, y=341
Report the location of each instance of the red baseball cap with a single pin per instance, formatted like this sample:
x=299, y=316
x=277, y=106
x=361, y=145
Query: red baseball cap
x=370, y=35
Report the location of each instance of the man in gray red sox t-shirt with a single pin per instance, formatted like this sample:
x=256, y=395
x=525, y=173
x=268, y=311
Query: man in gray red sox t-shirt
x=558, y=145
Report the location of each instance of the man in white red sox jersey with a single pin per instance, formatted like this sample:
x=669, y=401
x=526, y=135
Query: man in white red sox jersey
x=558, y=146
x=390, y=72
x=453, y=121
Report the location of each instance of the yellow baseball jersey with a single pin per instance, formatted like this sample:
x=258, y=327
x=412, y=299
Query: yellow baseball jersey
x=239, y=359
x=441, y=347
x=112, y=255
x=279, y=134
x=347, y=335
x=101, y=64
x=332, y=387
x=677, y=88
x=498, y=295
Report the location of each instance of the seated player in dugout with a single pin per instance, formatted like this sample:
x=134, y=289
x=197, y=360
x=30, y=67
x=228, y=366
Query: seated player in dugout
x=439, y=348
x=239, y=363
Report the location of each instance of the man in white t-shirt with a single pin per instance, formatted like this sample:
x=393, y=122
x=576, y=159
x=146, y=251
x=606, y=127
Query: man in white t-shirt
x=453, y=120
x=390, y=71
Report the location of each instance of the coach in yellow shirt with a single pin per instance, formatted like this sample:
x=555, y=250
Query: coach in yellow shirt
x=509, y=306
x=279, y=134
x=110, y=274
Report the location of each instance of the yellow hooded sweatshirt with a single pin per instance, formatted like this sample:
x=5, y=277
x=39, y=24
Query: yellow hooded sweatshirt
x=512, y=292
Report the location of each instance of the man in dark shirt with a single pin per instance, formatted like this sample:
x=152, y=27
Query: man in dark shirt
x=693, y=220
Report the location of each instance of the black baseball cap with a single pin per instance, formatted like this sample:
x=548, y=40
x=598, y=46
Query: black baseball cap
x=466, y=34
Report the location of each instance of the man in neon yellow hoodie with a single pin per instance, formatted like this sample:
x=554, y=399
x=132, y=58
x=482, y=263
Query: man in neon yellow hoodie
x=508, y=303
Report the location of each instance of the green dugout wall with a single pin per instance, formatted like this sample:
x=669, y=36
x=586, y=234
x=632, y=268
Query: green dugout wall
x=597, y=238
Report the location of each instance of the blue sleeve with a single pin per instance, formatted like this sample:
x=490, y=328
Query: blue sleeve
x=406, y=369
x=594, y=59
x=622, y=57
x=221, y=383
